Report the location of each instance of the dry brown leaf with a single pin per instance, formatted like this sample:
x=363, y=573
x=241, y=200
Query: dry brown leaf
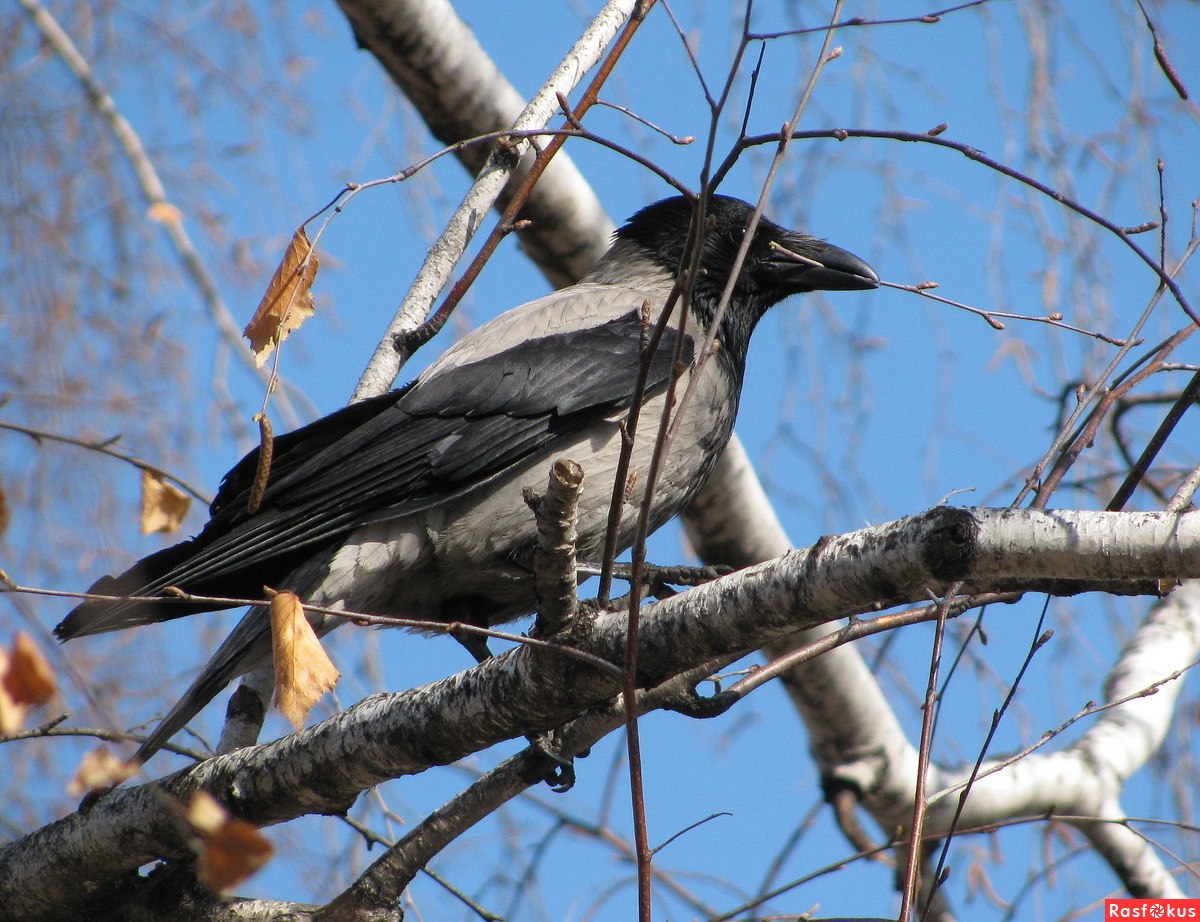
x=164, y=213
x=230, y=849
x=163, y=506
x=28, y=677
x=303, y=673
x=5, y=514
x=288, y=301
x=100, y=770
x=26, y=680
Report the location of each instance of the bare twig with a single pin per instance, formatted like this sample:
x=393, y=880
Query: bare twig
x=995, y=318
x=928, y=19
x=980, y=157
x=7, y=584
x=1160, y=55
x=104, y=447
x=915, y=842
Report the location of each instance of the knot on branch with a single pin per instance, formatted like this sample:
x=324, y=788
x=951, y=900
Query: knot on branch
x=951, y=542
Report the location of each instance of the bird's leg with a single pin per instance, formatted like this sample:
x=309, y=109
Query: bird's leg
x=475, y=644
x=468, y=611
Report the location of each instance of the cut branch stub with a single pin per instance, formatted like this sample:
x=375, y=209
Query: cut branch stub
x=554, y=564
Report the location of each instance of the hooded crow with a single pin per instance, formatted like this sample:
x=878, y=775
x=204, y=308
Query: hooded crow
x=410, y=504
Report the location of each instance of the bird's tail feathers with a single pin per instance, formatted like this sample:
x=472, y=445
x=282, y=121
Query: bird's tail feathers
x=243, y=650
x=148, y=577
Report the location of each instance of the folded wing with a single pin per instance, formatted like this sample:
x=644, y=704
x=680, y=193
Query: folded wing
x=454, y=431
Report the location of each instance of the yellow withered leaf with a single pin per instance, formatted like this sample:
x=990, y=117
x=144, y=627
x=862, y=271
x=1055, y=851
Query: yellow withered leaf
x=163, y=506
x=303, y=673
x=230, y=849
x=12, y=715
x=288, y=301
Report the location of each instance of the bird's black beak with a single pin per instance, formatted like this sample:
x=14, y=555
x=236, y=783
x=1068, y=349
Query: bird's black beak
x=804, y=263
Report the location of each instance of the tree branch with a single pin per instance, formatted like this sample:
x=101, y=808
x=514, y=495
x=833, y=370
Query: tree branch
x=529, y=690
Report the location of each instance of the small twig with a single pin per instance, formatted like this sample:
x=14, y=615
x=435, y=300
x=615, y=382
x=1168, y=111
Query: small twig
x=1090, y=709
x=1074, y=446
x=1160, y=55
x=108, y=736
x=1184, y=493
x=674, y=139
x=1042, y=638
x=927, y=19
x=1066, y=445
x=1154, y=446
x=360, y=618
x=995, y=318
x=686, y=829
x=989, y=828
x=978, y=156
x=103, y=446
x=576, y=129
x=912, y=870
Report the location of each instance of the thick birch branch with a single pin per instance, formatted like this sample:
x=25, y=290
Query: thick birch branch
x=858, y=743
x=324, y=768
x=443, y=256
x=435, y=59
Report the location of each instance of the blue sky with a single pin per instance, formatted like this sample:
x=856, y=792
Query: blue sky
x=858, y=407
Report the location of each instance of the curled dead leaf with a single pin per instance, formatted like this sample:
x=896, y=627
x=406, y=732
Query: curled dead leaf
x=26, y=680
x=28, y=677
x=288, y=301
x=163, y=506
x=230, y=849
x=303, y=673
x=100, y=770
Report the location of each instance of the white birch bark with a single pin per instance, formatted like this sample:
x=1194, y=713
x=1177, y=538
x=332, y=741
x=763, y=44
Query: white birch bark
x=449, y=39
x=436, y=61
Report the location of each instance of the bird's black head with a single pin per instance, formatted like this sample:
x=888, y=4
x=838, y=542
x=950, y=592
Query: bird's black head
x=779, y=263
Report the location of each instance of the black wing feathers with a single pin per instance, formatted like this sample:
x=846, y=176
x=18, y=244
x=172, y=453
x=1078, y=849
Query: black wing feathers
x=388, y=456
x=294, y=449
